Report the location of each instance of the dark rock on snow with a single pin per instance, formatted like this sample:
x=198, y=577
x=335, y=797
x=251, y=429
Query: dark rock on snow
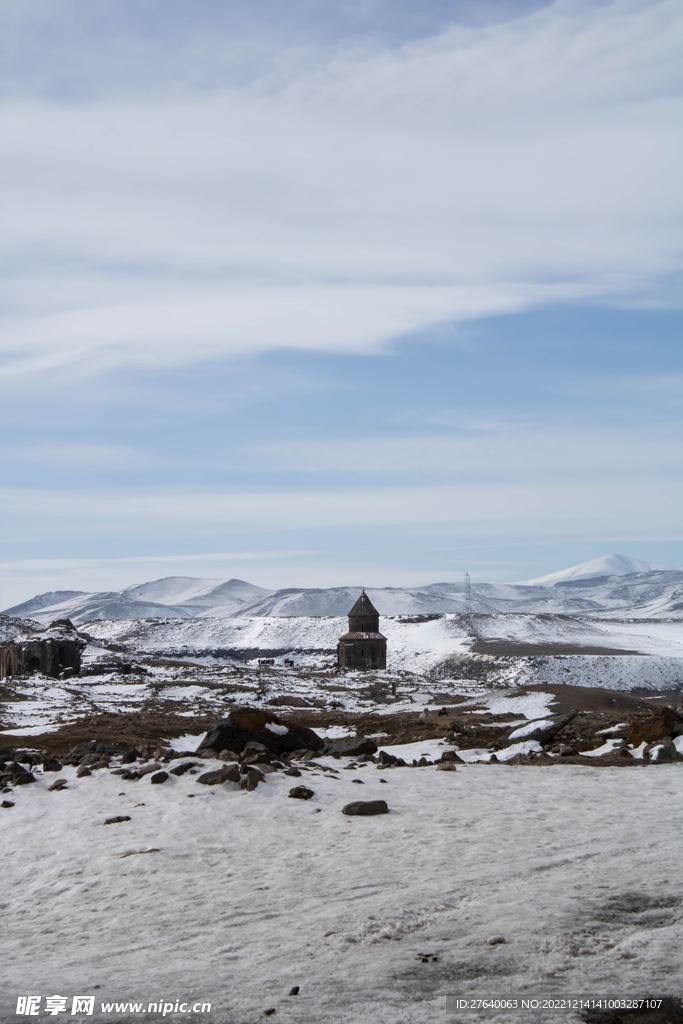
x=546, y=730
x=6, y=804
x=93, y=747
x=159, y=778
x=50, y=764
x=662, y=750
x=180, y=769
x=16, y=775
x=251, y=779
x=231, y=773
x=301, y=793
x=245, y=725
x=665, y=722
x=117, y=819
x=351, y=748
x=57, y=785
x=366, y=807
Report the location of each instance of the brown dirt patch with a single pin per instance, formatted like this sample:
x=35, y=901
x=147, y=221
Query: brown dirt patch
x=513, y=649
x=592, y=698
x=130, y=730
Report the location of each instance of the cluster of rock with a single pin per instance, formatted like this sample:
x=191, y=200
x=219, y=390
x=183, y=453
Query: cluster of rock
x=650, y=739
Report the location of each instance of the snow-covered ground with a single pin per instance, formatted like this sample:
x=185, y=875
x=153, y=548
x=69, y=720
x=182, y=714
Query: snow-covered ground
x=230, y=897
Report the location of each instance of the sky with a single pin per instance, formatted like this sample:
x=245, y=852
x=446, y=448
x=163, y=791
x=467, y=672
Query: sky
x=327, y=293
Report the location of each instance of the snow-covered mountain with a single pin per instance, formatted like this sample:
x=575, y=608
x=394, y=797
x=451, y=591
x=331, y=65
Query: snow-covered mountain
x=606, y=565
x=613, y=585
x=180, y=597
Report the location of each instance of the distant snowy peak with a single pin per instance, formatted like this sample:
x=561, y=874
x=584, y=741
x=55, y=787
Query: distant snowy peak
x=606, y=565
x=173, y=597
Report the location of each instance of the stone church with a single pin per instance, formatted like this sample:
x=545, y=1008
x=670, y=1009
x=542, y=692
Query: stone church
x=363, y=646
x=55, y=651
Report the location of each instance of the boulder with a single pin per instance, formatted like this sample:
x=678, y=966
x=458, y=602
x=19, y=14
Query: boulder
x=251, y=779
x=246, y=725
x=289, y=700
x=17, y=775
x=57, y=785
x=543, y=731
x=663, y=750
x=366, y=807
x=387, y=760
x=180, y=769
x=76, y=755
x=450, y=755
x=50, y=764
x=351, y=747
x=159, y=778
x=6, y=804
x=663, y=723
x=446, y=766
x=230, y=773
x=301, y=793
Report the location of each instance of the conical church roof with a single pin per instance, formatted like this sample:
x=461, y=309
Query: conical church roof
x=363, y=606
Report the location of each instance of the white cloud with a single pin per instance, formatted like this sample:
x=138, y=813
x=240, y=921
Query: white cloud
x=496, y=450
x=481, y=171
x=491, y=509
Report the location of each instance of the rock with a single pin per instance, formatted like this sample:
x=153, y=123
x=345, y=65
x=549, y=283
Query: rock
x=496, y=940
x=89, y=760
x=366, y=807
x=567, y=751
x=301, y=793
x=147, y=769
x=180, y=769
x=384, y=781
x=6, y=804
x=245, y=725
x=543, y=731
x=256, y=750
x=251, y=779
x=117, y=819
x=449, y=766
x=660, y=725
x=359, y=782
x=17, y=775
x=159, y=778
x=83, y=772
x=228, y=755
x=294, y=772
x=294, y=990
x=351, y=747
x=289, y=700
x=387, y=760
x=50, y=764
x=450, y=755
x=93, y=747
x=231, y=773
x=57, y=785
x=130, y=756
x=662, y=751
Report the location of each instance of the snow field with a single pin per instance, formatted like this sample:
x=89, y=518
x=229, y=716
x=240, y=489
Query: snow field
x=235, y=897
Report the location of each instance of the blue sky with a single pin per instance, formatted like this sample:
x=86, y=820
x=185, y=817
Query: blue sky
x=338, y=293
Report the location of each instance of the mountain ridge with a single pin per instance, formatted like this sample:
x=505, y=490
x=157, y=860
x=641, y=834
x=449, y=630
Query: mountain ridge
x=651, y=592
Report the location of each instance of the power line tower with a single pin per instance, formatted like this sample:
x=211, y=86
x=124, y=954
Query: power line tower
x=468, y=595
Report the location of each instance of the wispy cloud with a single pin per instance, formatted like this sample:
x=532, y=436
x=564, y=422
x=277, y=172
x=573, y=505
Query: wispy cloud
x=475, y=172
